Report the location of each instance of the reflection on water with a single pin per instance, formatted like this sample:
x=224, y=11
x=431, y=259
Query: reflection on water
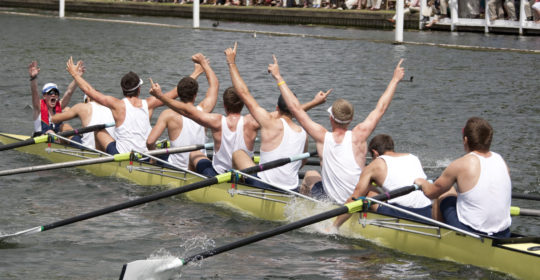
x=425, y=118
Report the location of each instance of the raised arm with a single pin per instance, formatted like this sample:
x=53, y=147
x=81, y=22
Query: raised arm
x=210, y=100
x=105, y=100
x=314, y=129
x=259, y=114
x=33, y=71
x=173, y=93
x=72, y=86
x=186, y=109
x=365, y=128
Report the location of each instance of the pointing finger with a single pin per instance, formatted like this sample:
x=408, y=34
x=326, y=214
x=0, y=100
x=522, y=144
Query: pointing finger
x=235, y=45
x=275, y=59
x=400, y=61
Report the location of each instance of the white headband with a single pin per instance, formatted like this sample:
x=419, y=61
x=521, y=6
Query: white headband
x=132, y=89
x=336, y=120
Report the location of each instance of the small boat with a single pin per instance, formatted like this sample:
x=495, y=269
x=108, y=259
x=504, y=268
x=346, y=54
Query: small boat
x=518, y=256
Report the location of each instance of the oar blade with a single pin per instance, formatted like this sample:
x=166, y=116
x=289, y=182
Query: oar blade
x=150, y=269
x=27, y=231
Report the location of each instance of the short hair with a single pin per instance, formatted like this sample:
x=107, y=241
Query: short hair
x=231, y=101
x=282, y=105
x=343, y=111
x=381, y=143
x=187, y=89
x=130, y=84
x=479, y=134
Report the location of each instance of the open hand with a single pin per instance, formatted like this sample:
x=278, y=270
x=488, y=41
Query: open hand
x=73, y=68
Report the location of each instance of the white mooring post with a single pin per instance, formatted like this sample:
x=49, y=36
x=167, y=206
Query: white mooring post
x=454, y=14
x=522, y=16
x=399, y=21
x=195, y=13
x=61, y=9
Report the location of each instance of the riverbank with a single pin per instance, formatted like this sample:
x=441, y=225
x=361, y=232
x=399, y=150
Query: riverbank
x=255, y=14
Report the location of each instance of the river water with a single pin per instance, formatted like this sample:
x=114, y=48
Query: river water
x=425, y=118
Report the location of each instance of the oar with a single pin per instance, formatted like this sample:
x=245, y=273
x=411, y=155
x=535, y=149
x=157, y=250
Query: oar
x=117, y=157
x=146, y=269
x=44, y=138
x=221, y=178
x=518, y=211
x=526, y=196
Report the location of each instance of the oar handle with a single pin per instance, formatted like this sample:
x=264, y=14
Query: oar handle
x=85, y=129
x=526, y=196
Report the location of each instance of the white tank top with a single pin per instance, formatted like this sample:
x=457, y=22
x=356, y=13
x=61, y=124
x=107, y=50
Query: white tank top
x=340, y=172
x=402, y=171
x=486, y=207
x=191, y=134
x=100, y=115
x=230, y=142
x=132, y=134
x=292, y=143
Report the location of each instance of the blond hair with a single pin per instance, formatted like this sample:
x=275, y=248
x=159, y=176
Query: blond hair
x=342, y=111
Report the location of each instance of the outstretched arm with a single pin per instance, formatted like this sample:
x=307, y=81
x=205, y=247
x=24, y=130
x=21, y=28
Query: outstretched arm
x=259, y=114
x=365, y=128
x=210, y=100
x=105, y=100
x=185, y=109
x=314, y=129
x=72, y=86
x=67, y=115
x=33, y=71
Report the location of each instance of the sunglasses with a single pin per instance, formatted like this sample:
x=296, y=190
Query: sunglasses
x=52, y=92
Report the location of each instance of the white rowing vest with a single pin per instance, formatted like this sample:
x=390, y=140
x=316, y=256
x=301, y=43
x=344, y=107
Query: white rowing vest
x=191, y=134
x=132, y=134
x=486, y=207
x=401, y=171
x=292, y=144
x=340, y=172
x=100, y=115
x=230, y=142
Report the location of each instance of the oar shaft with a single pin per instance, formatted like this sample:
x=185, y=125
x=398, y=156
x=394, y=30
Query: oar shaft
x=56, y=165
x=518, y=211
x=526, y=196
x=279, y=230
x=132, y=203
x=349, y=208
x=44, y=138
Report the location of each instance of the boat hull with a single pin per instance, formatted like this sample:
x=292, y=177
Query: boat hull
x=513, y=256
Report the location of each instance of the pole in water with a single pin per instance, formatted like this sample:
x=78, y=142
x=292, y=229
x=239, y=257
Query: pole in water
x=61, y=8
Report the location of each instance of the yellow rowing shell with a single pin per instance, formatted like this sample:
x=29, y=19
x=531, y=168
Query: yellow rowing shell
x=518, y=256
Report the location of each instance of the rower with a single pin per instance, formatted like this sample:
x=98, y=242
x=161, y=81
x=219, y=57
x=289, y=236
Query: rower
x=390, y=170
x=90, y=113
x=342, y=151
x=131, y=114
x=280, y=136
x=181, y=130
x=49, y=105
x=481, y=203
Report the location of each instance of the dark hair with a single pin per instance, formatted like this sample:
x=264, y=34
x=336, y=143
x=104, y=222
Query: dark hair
x=231, y=101
x=381, y=143
x=283, y=106
x=187, y=89
x=130, y=84
x=479, y=134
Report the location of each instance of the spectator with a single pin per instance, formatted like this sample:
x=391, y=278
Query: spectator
x=495, y=10
x=410, y=7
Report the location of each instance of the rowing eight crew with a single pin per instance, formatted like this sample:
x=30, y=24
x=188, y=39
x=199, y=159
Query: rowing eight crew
x=481, y=203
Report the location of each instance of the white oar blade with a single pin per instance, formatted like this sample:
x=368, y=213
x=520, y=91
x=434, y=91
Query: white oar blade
x=150, y=269
x=28, y=231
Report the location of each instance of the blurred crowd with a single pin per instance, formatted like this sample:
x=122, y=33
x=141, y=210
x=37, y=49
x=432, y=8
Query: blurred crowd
x=435, y=9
